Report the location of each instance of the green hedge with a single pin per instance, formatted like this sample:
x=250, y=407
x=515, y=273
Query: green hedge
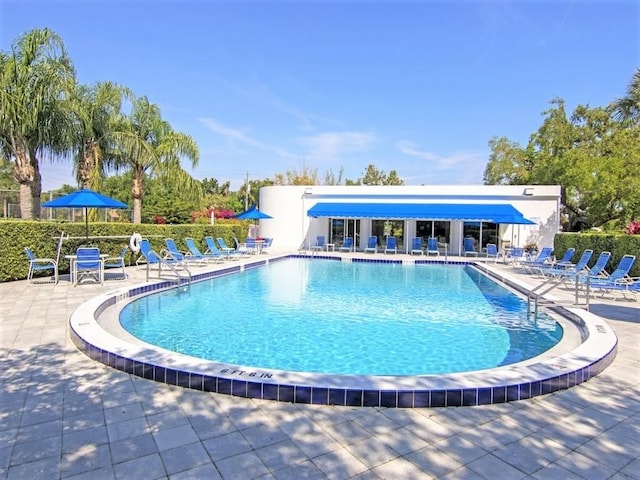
x=43, y=236
x=619, y=245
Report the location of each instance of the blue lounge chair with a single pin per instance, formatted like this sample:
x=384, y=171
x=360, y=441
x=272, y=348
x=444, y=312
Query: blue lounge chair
x=391, y=246
x=196, y=253
x=598, y=269
x=148, y=256
x=153, y=261
x=618, y=278
x=620, y=274
x=224, y=248
x=212, y=249
x=171, y=251
x=492, y=251
x=416, y=246
x=571, y=269
x=347, y=245
x=319, y=245
x=372, y=245
x=632, y=288
x=565, y=261
x=432, y=246
x=543, y=258
x=469, y=247
x=40, y=265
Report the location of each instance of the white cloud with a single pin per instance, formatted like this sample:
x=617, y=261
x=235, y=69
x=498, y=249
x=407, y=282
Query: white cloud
x=408, y=148
x=230, y=133
x=457, y=169
x=331, y=146
x=236, y=135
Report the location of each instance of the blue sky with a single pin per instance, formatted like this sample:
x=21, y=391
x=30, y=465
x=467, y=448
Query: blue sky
x=265, y=87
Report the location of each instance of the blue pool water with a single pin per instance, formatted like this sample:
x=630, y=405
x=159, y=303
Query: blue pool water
x=346, y=318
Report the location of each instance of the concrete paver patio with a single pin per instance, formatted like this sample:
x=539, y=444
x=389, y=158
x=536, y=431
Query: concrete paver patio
x=63, y=415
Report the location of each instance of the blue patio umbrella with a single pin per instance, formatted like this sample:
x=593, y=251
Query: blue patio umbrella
x=252, y=214
x=85, y=198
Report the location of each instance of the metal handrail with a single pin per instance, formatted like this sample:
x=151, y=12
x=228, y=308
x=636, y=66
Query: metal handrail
x=552, y=283
x=162, y=262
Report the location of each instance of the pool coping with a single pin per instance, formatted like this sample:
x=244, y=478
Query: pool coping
x=502, y=384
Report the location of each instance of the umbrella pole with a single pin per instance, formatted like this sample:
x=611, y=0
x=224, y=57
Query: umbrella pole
x=86, y=222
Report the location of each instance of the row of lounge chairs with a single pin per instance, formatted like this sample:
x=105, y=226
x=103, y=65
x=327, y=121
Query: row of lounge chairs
x=391, y=245
x=214, y=251
x=596, y=277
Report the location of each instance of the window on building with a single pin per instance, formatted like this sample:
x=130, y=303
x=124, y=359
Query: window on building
x=385, y=228
x=341, y=228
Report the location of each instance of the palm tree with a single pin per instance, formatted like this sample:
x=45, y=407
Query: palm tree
x=147, y=145
x=97, y=109
x=628, y=107
x=36, y=79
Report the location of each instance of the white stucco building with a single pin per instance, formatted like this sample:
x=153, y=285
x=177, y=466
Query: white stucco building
x=507, y=215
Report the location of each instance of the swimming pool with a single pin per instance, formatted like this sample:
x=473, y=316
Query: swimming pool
x=588, y=347
x=310, y=315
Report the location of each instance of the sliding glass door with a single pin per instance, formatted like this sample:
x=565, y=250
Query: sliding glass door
x=341, y=228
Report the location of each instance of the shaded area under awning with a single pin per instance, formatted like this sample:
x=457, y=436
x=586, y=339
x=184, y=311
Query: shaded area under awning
x=479, y=212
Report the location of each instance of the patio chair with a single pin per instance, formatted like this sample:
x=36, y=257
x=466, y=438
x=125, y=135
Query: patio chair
x=469, y=247
x=224, y=248
x=492, y=252
x=391, y=246
x=171, y=251
x=598, y=269
x=565, y=271
x=197, y=254
x=620, y=274
x=88, y=264
x=147, y=255
x=118, y=261
x=566, y=258
x=515, y=256
x=212, y=248
x=267, y=244
x=543, y=258
x=564, y=262
x=416, y=246
x=347, y=245
x=319, y=245
x=618, y=278
x=372, y=245
x=150, y=257
x=40, y=265
x=631, y=288
x=252, y=245
x=432, y=246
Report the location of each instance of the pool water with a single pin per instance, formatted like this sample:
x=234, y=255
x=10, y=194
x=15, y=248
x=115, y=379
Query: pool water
x=326, y=316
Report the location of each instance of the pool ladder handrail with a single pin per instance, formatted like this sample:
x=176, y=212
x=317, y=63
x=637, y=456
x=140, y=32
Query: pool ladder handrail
x=446, y=251
x=170, y=266
x=551, y=283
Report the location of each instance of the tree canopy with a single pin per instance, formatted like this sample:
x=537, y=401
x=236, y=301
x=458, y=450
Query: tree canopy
x=37, y=80
x=592, y=154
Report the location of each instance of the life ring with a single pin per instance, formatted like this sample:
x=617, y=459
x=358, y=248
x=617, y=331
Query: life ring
x=134, y=242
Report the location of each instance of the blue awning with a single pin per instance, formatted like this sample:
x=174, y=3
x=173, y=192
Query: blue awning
x=477, y=212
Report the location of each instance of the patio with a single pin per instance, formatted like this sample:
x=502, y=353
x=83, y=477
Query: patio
x=66, y=416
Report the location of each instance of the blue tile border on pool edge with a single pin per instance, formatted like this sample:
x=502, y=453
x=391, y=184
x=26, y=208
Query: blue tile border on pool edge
x=309, y=394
